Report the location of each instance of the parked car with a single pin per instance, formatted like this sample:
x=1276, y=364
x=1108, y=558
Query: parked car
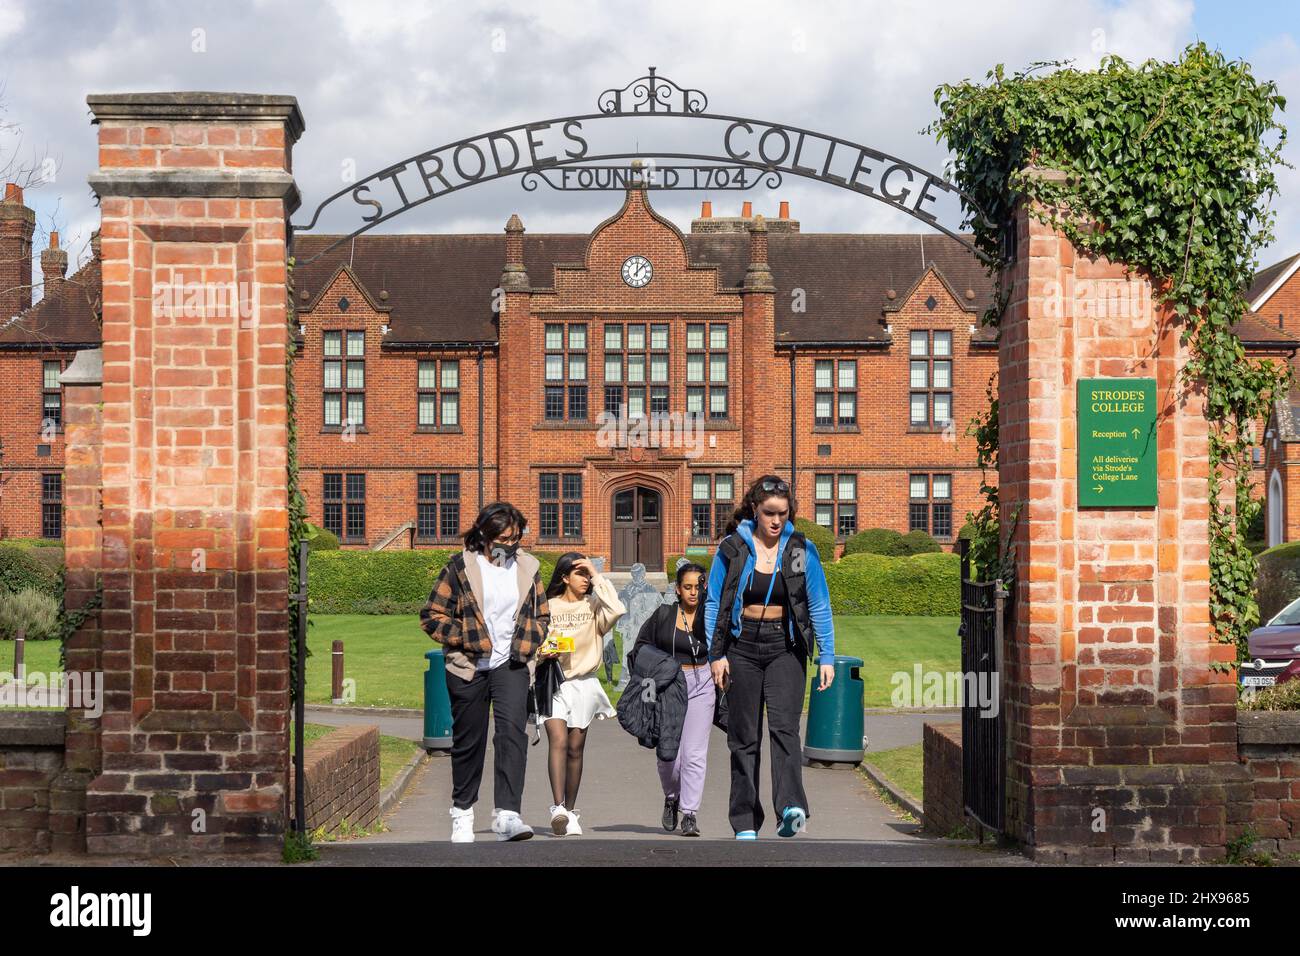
x=1274, y=649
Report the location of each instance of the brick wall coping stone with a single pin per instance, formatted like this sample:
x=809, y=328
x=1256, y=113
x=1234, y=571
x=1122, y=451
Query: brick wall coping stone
x=199, y=107
x=32, y=727
x=87, y=368
x=1268, y=727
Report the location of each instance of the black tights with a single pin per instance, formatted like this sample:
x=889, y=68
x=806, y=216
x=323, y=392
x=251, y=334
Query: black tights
x=565, y=761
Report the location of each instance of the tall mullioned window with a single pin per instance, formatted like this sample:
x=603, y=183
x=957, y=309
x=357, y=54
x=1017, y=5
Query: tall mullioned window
x=437, y=506
x=636, y=368
x=930, y=378
x=560, y=505
x=835, y=396
x=713, y=501
x=835, y=503
x=930, y=505
x=438, y=393
x=707, y=369
x=52, y=506
x=565, y=372
x=51, y=394
x=345, y=506
x=344, y=378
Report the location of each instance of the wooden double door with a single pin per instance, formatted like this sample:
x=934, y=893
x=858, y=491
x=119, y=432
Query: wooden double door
x=637, y=534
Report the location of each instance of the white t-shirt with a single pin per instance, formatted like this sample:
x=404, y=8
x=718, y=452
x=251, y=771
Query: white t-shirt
x=500, y=598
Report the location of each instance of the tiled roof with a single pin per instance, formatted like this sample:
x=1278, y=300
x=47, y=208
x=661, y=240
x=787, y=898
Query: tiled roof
x=440, y=286
x=68, y=316
x=1267, y=276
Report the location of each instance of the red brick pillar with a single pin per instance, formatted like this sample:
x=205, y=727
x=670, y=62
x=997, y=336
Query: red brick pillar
x=1121, y=739
x=765, y=396
x=195, y=190
x=82, y=546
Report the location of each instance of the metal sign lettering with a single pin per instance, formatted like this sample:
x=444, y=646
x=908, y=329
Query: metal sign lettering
x=584, y=178
x=561, y=151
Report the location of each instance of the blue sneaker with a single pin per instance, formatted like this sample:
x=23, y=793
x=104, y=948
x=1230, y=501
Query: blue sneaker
x=793, y=819
x=746, y=835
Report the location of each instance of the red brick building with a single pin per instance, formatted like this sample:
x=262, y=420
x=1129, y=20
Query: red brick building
x=438, y=372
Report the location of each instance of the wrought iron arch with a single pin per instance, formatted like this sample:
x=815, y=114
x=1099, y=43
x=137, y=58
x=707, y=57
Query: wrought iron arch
x=752, y=151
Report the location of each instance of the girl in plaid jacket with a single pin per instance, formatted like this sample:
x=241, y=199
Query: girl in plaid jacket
x=488, y=609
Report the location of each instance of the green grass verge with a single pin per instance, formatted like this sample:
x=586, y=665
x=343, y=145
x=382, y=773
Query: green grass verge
x=904, y=767
x=384, y=654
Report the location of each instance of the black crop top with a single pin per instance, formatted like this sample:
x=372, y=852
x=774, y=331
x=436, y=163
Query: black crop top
x=756, y=591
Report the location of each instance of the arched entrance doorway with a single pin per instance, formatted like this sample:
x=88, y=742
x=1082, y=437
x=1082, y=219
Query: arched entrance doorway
x=636, y=529
x=1274, y=504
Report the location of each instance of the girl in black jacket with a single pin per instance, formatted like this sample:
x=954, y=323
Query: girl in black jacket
x=678, y=629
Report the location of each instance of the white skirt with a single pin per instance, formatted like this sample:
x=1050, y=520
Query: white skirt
x=580, y=701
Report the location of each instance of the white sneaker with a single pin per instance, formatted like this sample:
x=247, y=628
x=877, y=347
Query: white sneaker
x=462, y=825
x=508, y=826
x=573, y=829
x=559, y=820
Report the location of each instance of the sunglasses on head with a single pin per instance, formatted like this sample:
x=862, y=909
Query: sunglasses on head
x=778, y=486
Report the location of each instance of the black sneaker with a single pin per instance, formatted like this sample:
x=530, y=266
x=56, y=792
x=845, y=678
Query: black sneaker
x=669, y=820
x=689, y=826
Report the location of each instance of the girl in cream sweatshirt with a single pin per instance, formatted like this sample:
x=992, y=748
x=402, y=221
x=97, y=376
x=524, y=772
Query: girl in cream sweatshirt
x=584, y=608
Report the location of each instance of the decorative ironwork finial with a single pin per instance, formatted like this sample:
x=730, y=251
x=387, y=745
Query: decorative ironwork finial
x=651, y=94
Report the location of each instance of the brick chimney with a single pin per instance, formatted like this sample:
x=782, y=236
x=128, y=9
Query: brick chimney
x=758, y=277
x=54, y=265
x=747, y=210
x=709, y=223
x=706, y=210
x=514, y=278
x=17, y=224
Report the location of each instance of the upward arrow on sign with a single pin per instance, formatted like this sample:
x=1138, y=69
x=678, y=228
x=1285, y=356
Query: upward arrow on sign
x=1135, y=434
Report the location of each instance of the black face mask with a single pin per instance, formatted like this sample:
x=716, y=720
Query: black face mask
x=502, y=553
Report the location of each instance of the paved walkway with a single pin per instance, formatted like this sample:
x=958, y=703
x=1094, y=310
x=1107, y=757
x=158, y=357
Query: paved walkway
x=621, y=802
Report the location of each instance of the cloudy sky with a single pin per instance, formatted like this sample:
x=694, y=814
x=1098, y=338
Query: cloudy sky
x=381, y=80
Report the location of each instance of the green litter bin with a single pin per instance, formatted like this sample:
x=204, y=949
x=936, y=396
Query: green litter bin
x=835, y=732
x=437, y=704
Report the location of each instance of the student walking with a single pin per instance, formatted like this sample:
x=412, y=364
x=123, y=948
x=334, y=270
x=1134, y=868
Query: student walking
x=678, y=629
x=766, y=612
x=489, y=611
x=584, y=608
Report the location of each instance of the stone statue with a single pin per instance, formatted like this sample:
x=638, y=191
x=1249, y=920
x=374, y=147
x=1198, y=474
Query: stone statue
x=640, y=597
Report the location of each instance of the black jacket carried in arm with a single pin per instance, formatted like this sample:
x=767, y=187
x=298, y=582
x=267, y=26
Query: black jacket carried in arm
x=653, y=707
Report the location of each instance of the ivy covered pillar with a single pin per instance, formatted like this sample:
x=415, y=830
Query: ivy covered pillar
x=1121, y=734
x=195, y=190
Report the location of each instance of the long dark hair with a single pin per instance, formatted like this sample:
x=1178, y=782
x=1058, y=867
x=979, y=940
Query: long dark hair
x=769, y=486
x=687, y=568
x=563, y=568
x=491, y=521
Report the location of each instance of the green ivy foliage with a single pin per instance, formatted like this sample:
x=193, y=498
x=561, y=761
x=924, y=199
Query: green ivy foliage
x=297, y=504
x=1169, y=169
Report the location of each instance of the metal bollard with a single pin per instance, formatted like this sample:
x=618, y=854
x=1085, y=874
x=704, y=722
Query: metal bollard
x=336, y=691
x=20, y=667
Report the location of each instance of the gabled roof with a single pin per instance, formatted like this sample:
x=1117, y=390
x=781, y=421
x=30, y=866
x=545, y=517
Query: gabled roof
x=67, y=316
x=1269, y=279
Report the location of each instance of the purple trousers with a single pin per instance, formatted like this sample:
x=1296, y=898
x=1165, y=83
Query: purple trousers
x=683, y=778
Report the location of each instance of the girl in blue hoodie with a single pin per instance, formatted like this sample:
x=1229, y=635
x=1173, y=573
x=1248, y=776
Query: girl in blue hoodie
x=767, y=612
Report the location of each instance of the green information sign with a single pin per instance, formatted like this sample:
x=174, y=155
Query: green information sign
x=1117, y=442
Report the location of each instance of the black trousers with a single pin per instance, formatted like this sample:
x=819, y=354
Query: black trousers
x=505, y=689
x=766, y=669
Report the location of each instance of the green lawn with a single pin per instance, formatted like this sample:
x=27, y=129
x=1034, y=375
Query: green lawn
x=384, y=654
x=904, y=766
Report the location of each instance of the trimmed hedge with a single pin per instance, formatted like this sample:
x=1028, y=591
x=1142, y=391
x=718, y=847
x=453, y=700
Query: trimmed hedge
x=1277, y=583
x=918, y=542
x=884, y=541
x=923, y=584
x=21, y=569
x=821, y=538
x=384, y=582
x=320, y=539
x=399, y=582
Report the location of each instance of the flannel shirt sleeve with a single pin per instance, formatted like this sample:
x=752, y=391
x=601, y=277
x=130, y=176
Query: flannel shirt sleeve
x=440, y=616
